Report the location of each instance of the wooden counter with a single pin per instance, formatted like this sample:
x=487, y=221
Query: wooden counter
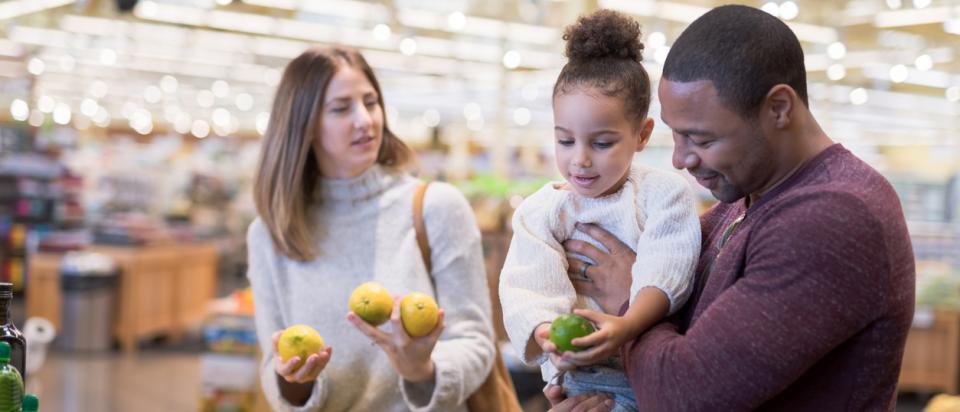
x=163, y=289
x=931, y=360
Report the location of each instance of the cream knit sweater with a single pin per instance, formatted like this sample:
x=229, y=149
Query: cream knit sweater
x=654, y=213
x=364, y=231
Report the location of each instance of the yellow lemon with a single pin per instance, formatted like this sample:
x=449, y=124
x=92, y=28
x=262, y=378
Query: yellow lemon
x=419, y=313
x=372, y=303
x=299, y=340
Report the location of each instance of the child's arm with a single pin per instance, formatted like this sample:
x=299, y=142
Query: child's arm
x=649, y=306
x=534, y=287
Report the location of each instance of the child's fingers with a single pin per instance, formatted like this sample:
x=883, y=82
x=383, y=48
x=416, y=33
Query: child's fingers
x=593, y=339
x=593, y=316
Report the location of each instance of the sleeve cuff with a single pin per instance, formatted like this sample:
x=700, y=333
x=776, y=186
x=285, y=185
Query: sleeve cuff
x=434, y=395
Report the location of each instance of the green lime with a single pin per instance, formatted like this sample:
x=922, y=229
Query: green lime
x=569, y=327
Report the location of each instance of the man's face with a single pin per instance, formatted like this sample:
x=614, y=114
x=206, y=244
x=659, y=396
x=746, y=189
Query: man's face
x=727, y=154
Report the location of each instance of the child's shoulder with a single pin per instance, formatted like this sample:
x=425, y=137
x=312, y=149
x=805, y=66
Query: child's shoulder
x=654, y=179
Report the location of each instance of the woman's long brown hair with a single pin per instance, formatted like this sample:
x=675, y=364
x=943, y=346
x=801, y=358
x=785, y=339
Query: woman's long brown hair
x=288, y=172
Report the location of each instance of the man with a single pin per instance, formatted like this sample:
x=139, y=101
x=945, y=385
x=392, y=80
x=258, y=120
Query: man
x=805, y=288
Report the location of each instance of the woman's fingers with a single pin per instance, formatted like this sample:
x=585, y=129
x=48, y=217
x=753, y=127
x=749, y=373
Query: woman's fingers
x=276, y=340
x=372, y=332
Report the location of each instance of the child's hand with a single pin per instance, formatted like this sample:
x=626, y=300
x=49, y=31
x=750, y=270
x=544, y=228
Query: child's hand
x=612, y=332
x=542, y=336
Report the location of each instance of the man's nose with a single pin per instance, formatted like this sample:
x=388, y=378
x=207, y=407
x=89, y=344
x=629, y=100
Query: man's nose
x=683, y=158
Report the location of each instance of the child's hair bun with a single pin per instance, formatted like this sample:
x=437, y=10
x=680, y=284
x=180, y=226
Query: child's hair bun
x=605, y=33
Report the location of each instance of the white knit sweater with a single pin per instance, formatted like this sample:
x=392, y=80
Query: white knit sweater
x=654, y=213
x=364, y=231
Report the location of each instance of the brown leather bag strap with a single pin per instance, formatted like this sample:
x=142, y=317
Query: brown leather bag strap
x=419, y=226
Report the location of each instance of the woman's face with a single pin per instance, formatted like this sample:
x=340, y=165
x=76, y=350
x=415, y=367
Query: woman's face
x=351, y=125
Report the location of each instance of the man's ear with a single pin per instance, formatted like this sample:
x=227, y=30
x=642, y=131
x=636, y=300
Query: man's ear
x=644, y=132
x=779, y=104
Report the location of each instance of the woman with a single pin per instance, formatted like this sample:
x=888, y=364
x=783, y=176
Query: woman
x=335, y=210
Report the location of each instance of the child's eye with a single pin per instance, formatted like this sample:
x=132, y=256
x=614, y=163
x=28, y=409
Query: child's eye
x=339, y=109
x=562, y=142
x=603, y=145
x=370, y=103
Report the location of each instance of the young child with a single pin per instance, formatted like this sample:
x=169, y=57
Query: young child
x=600, y=104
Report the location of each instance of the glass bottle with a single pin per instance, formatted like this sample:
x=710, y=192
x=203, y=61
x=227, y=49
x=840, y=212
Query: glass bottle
x=9, y=332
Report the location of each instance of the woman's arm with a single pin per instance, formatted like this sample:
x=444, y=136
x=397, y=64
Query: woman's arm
x=310, y=394
x=463, y=357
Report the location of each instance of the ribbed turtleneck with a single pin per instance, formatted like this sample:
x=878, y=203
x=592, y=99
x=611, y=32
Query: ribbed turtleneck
x=369, y=184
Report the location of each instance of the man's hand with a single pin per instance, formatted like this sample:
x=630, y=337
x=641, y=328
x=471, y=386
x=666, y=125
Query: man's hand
x=609, y=279
x=587, y=402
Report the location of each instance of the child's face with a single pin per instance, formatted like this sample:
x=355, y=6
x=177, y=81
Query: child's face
x=595, y=140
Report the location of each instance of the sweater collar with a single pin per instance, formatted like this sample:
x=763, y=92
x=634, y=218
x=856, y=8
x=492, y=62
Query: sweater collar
x=372, y=182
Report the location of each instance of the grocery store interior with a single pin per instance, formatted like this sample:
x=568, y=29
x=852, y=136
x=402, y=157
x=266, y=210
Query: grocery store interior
x=130, y=130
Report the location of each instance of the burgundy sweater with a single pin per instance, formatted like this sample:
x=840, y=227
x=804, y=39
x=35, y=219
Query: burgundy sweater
x=807, y=307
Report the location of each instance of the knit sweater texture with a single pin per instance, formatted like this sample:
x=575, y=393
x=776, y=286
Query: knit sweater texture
x=363, y=229
x=806, y=308
x=653, y=213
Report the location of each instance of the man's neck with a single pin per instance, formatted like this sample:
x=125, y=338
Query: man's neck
x=808, y=142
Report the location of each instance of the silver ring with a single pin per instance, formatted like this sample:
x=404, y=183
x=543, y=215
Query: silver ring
x=583, y=270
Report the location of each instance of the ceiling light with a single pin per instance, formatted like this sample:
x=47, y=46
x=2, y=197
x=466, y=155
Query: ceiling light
x=661, y=54
x=220, y=88
x=656, y=40
x=899, y=73
x=894, y=4
x=205, y=98
x=511, y=59
x=182, y=124
x=89, y=107
x=472, y=111
x=224, y=2
x=522, y=116
x=19, y=110
x=456, y=21
x=858, y=96
x=36, y=118
x=529, y=92
x=46, y=104
x=923, y=62
x=836, y=50
x=263, y=119
x=772, y=8
x=200, y=129
x=108, y=57
x=381, y=32
x=408, y=46
x=244, y=101
x=921, y=3
x=953, y=93
x=102, y=118
x=98, y=89
x=152, y=94
x=836, y=72
x=789, y=10
x=431, y=118
x=221, y=117
x=61, y=114
x=36, y=66
x=168, y=84
x=476, y=124
x=67, y=63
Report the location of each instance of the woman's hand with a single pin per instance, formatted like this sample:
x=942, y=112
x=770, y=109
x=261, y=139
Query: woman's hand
x=609, y=279
x=587, y=402
x=306, y=373
x=409, y=356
